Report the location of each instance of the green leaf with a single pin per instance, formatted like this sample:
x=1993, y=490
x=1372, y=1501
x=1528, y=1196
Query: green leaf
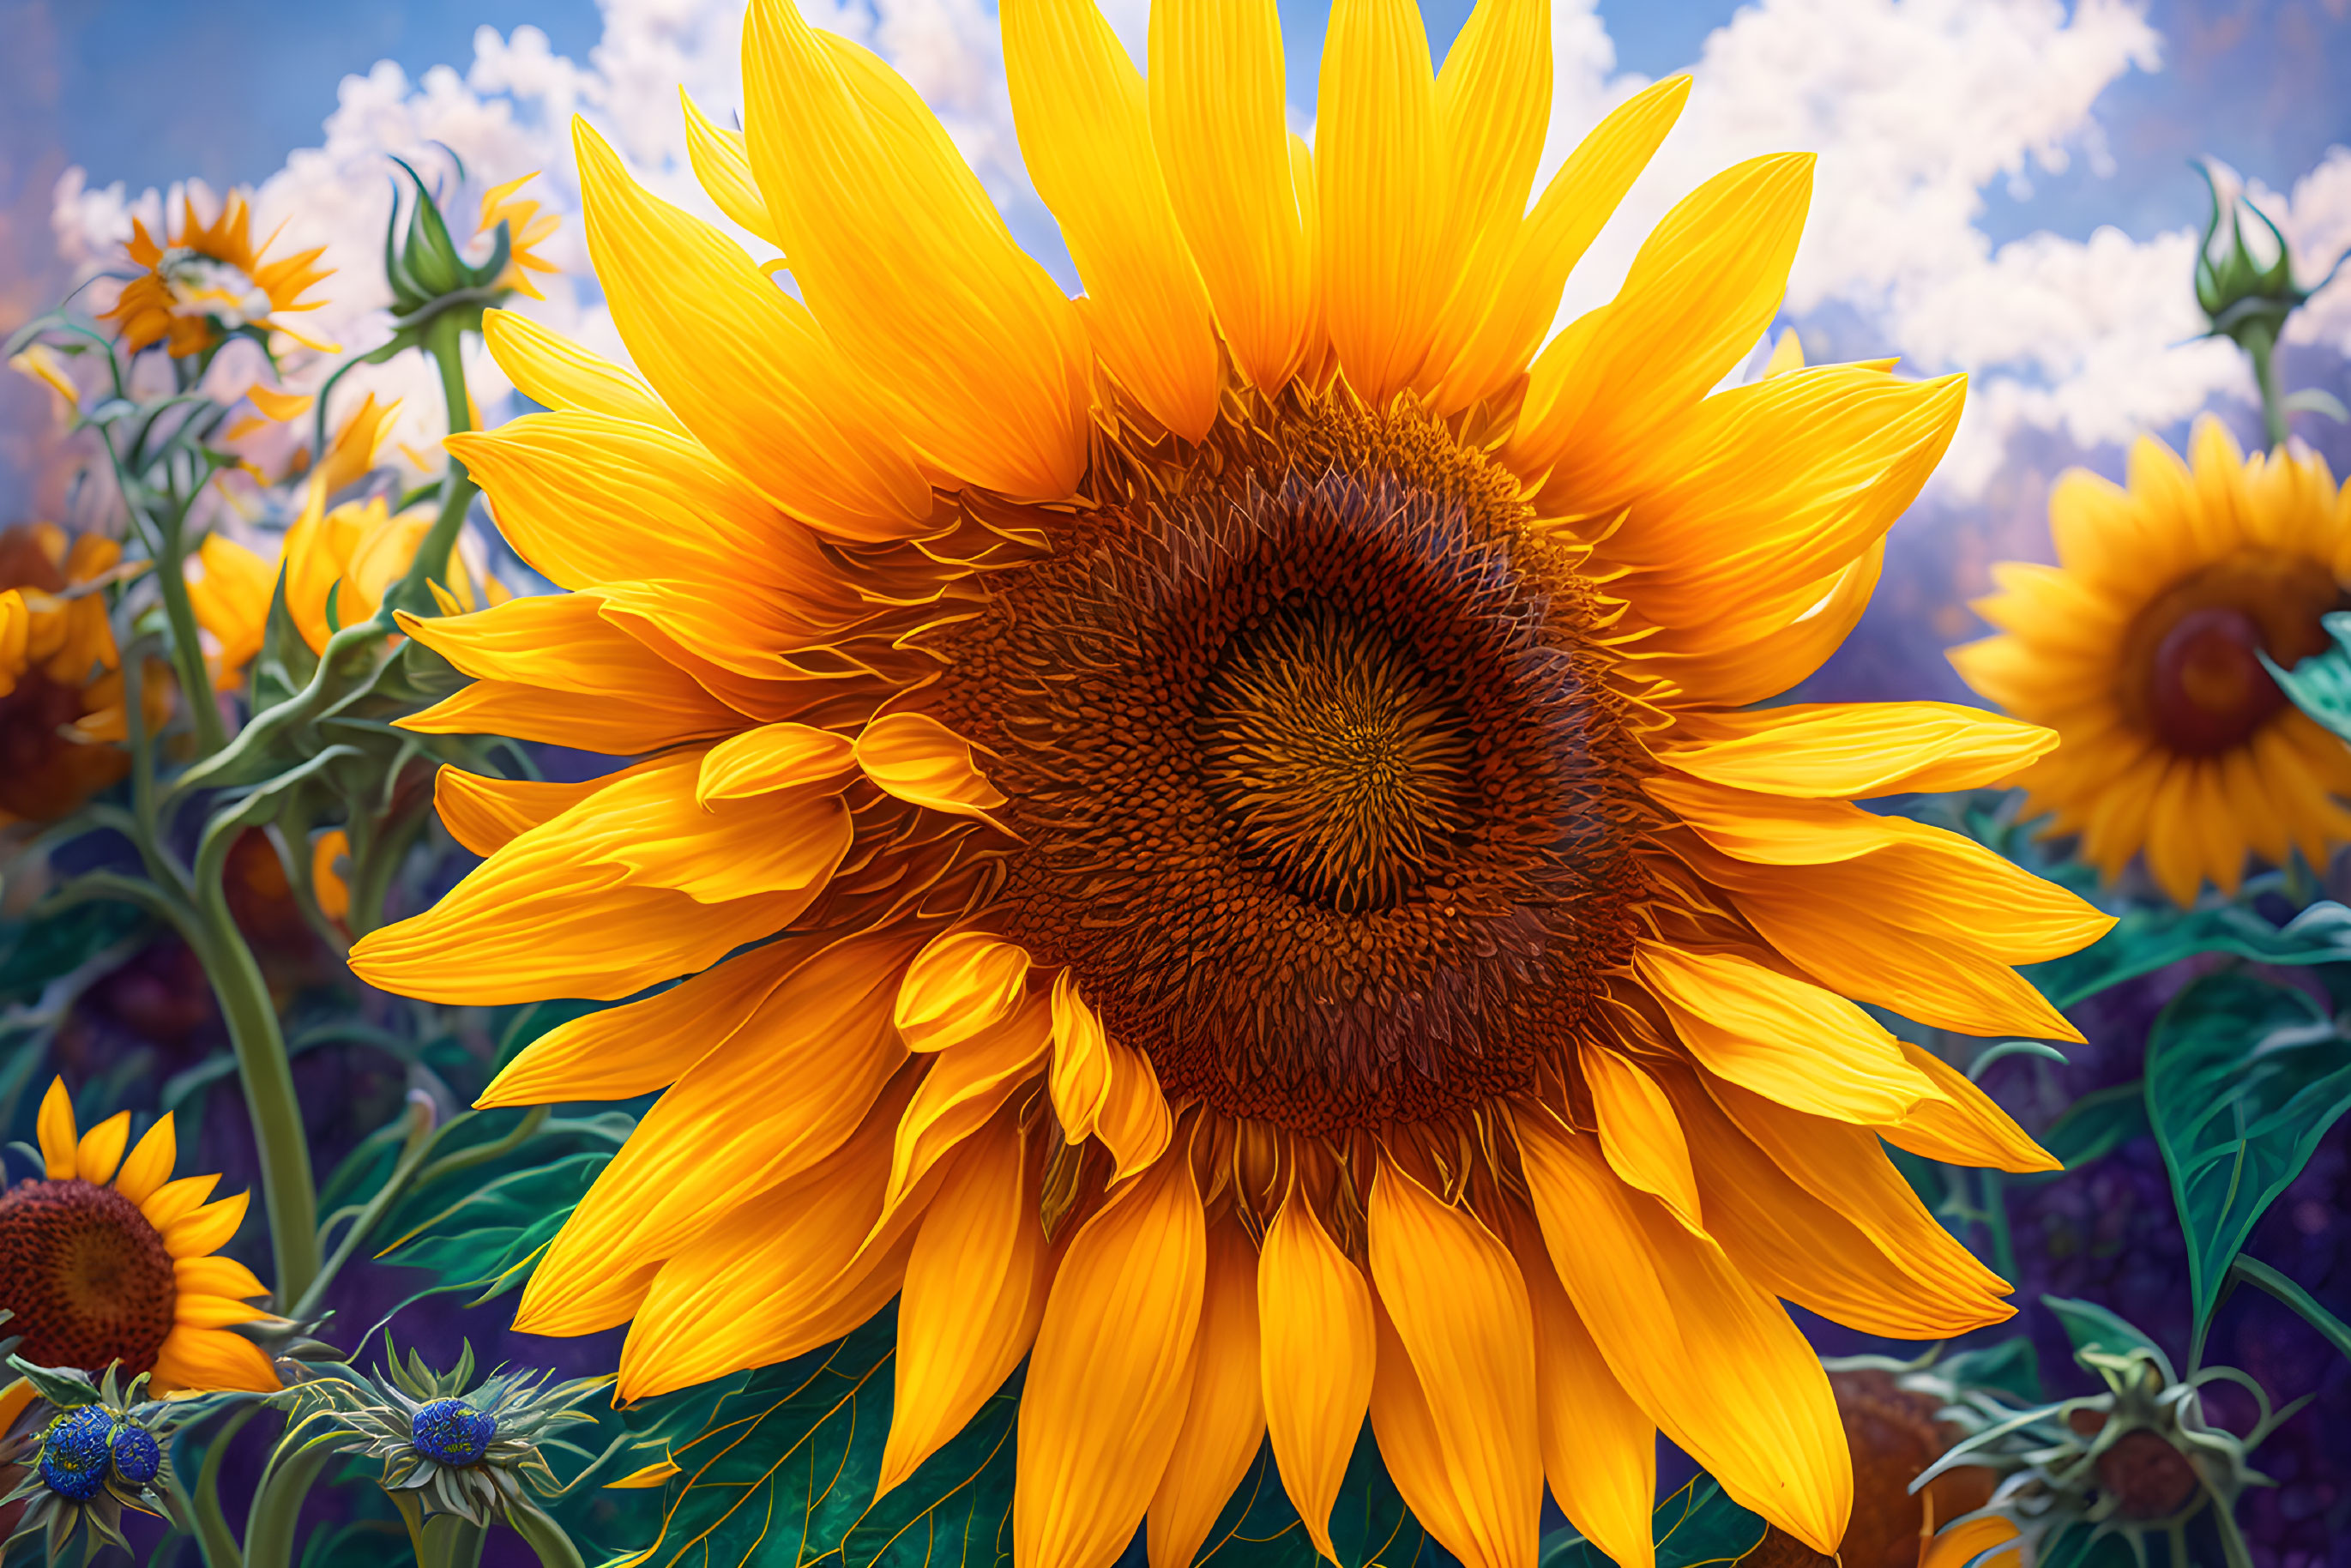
x=1369, y=1523
x=2095, y=1328
x=2243, y=1078
x=1698, y=1526
x=483, y=1239
x=2098, y=1123
x=2320, y=685
x=2011, y=1368
x=2256, y=1272
x=2147, y=939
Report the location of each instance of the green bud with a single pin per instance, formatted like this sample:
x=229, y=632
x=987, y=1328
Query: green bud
x=429, y=276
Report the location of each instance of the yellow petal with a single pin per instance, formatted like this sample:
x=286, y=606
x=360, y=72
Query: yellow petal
x=1406, y=1430
x=204, y=1358
x=1085, y=135
x=722, y=166
x=149, y=1164
x=1220, y=121
x=964, y=1087
x=213, y=1312
x=167, y=1204
x=773, y=757
x=215, y=1276
x=1387, y=252
x=558, y=373
x=1498, y=316
x=1599, y=1448
x=100, y=1149
x=207, y=1228
x=581, y=907
x=552, y=669
x=622, y=1052
x=1320, y=1346
x=1769, y=664
x=1807, y=1248
x=486, y=814
x=972, y=348
x=1965, y=1127
x=742, y=364
x=1460, y=1310
x=958, y=984
x=1962, y=1546
x=1715, y=1362
x=781, y=1273
x=1133, y=1122
x=1223, y=1419
x=658, y=1473
x=15, y=1397
x=1702, y=289
x=1781, y=1037
x=1081, y=1065
x=974, y=1295
x=1111, y=1374
x=780, y=1094
x=916, y=757
x=60, y=1142
x=1639, y=1133
x=1840, y=751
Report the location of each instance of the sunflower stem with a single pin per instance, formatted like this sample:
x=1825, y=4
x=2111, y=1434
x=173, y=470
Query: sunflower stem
x=269, y=1081
x=545, y=1537
x=444, y=340
x=187, y=652
x=2260, y=347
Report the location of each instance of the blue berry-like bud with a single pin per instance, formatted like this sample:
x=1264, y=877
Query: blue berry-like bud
x=452, y=1432
x=137, y=1456
x=74, y=1453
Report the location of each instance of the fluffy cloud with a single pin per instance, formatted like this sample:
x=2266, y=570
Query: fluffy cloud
x=1916, y=107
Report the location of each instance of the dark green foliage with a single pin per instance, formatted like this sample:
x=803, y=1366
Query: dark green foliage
x=1696, y=1526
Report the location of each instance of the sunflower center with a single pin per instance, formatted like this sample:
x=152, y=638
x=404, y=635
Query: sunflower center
x=2195, y=678
x=1338, y=763
x=1323, y=787
x=203, y=285
x=87, y=1276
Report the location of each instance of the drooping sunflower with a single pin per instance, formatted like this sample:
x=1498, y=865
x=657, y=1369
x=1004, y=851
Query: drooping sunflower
x=350, y=554
x=2142, y=648
x=1214, y=827
x=208, y=279
x=109, y=1260
x=61, y=687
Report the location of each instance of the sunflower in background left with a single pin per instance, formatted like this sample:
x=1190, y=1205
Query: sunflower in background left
x=107, y=1258
x=61, y=687
x=207, y=279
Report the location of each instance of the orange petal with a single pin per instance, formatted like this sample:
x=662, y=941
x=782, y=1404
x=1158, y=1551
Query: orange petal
x=149, y=1164
x=964, y=1087
x=1639, y=1133
x=1853, y=750
x=916, y=757
x=206, y=1230
x=1223, y=1419
x=962, y=982
x=60, y=1142
x=1965, y=1127
x=1111, y=1374
x=1320, y=1346
x=1459, y=1306
x=100, y=1149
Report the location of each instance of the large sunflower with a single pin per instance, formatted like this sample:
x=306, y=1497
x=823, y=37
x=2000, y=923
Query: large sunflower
x=108, y=1260
x=206, y=279
x=1241, y=872
x=2142, y=648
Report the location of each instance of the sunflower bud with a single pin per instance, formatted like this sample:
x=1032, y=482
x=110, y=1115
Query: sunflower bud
x=429, y=278
x=2247, y=300
x=105, y=1449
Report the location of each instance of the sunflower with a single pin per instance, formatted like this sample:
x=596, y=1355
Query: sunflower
x=110, y=1260
x=527, y=226
x=61, y=687
x=1242, y=869
x=347, y=556
x=210, y=279
x=2143, y=649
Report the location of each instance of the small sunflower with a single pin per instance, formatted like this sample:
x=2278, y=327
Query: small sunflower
x=110, y=1260
x=209, y=279
x=2142, y=648
x=61, y=687
x=527, y=227
x=1251, y=881
x=348, y=555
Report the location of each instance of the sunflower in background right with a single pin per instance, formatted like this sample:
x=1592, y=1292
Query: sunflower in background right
x=2143, y=649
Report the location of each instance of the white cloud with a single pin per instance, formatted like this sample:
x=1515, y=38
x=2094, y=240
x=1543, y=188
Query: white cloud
x=1916, y=107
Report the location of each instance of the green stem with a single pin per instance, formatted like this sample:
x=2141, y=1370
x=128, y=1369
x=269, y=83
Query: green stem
x=449, y=1542
x=187, y=652
x=444, y=340
x=2260, y=345
x=214, y=1542
x=268, y=1081
x=1995, y=1212
x=277, y=1507
x=544, y=1536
